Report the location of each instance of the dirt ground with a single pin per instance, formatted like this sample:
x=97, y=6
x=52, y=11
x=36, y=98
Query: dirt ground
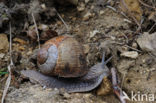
x=98, y=26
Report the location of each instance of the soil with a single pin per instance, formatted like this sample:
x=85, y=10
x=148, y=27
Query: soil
x=98, y=27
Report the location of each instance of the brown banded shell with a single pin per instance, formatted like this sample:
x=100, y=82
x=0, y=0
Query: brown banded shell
x=67, y=58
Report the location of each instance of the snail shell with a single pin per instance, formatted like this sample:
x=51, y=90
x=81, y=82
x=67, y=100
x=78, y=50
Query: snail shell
x=62, y=56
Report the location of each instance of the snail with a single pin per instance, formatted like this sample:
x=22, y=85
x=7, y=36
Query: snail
x=62, y=64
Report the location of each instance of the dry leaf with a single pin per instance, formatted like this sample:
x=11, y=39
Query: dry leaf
x=147, y=42
x=20, y=41
x=132, y=8
x=105, y=87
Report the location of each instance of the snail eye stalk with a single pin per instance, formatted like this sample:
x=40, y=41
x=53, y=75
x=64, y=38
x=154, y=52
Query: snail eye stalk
x=103, y=60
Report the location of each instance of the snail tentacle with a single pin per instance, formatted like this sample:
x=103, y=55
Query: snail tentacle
x=98, y=69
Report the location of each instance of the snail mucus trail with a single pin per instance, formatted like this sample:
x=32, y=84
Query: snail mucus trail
x=76, y=77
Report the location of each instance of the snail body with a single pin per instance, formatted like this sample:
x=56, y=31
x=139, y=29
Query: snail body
x=63, y=57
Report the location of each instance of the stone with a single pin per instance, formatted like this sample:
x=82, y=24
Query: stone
x=81, y=7
x=2, y=55
x=93, y=33
x=87, y=16
x=4, y=45
x=130, y=54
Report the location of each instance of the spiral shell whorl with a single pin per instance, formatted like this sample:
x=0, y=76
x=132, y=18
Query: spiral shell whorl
x=52, y=55
x=64, y=57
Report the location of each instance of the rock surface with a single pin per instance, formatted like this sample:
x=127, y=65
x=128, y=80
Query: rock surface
x=4, y=45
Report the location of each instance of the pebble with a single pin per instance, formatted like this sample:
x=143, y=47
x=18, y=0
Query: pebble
x=130, y=54
x=86, y=1
x=93, y=33
x=59, y=23
x=87, y=95
x=43, y=27
x=4, y=45
x=21, y=48
x=81, y=7
x=102, y=12
x=134, y=45
x=2, y=55
x=66, y=95
x=87, y=16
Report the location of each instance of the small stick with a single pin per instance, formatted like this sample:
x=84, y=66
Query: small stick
x=111, y=8
x=152, y=27
x=123, y=80
x=133, y=48
x=117, y=90
x=7, y=84
x=62, y=21
x=146, y=5
x=10, y=46
x=128, y=46
x=38, y=38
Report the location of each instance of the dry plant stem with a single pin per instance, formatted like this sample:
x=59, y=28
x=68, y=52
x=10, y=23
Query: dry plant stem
x=38, y=38
x=128, y=46
x=7, y=84
x=146, y=5
x=111, y=8
x=152, y=27
x=10, y=46
x=124, y=36
x=123, y=80
x=3, y=79
x=133, y=48
x=114, y=77
x=62, y=21
x=117, y=90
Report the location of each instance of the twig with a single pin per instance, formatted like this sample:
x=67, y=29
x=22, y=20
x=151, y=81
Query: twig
x=123, y=80
x=62, y=20
x=152, y=27
x=133, y=48
x=10, y=46
x=117, y=90
x=146, y=5
x=114, y=77
x=111, y=8
x=128, y=47
x=3, y=79
x=38, y=38
x=124, y=36
x=7, y=84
